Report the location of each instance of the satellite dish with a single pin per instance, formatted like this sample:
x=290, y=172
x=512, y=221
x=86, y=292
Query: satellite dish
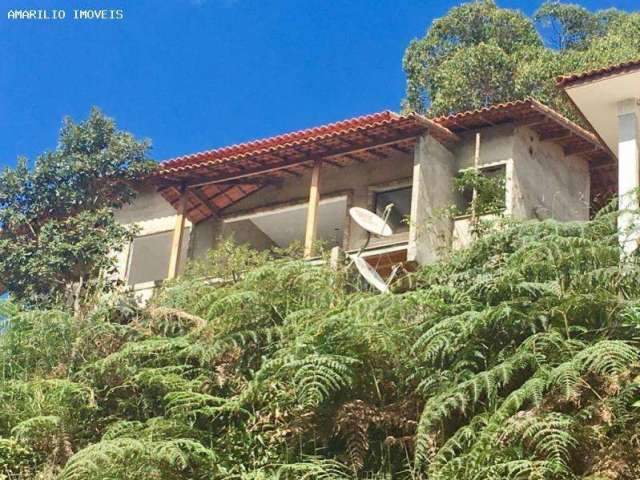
x=369, y=274
x=374, y=225
x=371, y=222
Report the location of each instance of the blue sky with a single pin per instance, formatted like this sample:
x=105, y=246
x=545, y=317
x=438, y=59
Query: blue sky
x=197, y=74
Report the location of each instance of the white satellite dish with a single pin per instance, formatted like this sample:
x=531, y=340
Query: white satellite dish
x=373, y=225
x=370, y=274
x=371, y=222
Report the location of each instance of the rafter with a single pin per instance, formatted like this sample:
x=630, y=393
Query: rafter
x=362, y=147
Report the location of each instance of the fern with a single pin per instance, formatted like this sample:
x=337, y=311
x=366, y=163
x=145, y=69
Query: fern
x=515, y=358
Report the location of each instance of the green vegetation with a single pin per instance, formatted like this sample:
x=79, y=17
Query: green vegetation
x=479, y=54
x=517, y=358
x=490, y=192
x=57, y=229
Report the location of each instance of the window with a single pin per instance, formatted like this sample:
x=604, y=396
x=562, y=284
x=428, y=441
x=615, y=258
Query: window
x=149, y=257
x=490, y=186
x=401, y=200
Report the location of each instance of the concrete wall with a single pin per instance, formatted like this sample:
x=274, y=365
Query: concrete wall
x=541, y=182
x=245, y=231
x=433, y=193
x=496, y=145
x=546, y=183
x=203, y=237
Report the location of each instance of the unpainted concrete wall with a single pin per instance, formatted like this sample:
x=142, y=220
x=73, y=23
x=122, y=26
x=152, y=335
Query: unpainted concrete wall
x=496, y=145
x=432, y=194
x=546, y=183
x=245, y=231
x=203, y=236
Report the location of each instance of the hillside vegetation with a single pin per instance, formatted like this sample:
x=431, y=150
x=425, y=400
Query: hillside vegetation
x=517, y=358
x=480, y=54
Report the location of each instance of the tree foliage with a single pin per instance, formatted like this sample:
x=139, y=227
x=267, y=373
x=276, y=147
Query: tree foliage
x=480, y=54
x=516, y=358
x=56, y=220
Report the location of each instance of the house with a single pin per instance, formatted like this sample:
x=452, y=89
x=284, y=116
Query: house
x=299, y=186
x=609, y=100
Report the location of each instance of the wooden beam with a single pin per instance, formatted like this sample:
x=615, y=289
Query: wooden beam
x=312, y=211
x=532, y=121
x=204, y=200
x=580, y=149
x=606, y=166
x=178, y=235
x=354, y=158
x=364, y=147
x=557, y=136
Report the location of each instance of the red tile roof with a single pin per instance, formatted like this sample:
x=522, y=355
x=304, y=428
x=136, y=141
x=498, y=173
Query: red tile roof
x=598, y=73
x=215, y=179
x=238, y=152
x=528, y=111
x=550, y=126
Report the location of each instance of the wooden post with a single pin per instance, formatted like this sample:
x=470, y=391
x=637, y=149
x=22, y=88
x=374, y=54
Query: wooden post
x=178, y=234
x=476, y=164
x=312, y=212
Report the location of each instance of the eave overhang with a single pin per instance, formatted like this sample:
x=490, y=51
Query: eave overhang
x=216, y=179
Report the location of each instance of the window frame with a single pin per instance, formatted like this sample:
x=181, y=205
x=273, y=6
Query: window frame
x=181, y=264
x=506, y=165
x=402, y=184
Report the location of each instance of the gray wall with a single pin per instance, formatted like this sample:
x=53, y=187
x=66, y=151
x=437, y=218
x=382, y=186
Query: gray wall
x=245, y=231
x=546, y=182
x=496, y=145
x=433, y=193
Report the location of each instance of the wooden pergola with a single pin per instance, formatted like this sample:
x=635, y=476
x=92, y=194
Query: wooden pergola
x=204, y=184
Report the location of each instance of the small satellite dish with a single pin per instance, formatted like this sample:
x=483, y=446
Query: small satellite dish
x=371, y=222
x=370, y=274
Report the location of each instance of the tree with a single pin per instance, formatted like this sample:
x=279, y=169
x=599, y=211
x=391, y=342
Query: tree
x=480, y=54
x=430, y=63
x=58, y=228
x=570, y=25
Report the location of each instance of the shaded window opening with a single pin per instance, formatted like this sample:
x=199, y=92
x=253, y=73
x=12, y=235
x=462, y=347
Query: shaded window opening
x=401, y=199
x=149, y=256
x=283, y=226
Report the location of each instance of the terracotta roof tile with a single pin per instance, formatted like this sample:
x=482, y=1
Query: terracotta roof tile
x=301, y=137
x=595, y=74
x=217, y=178
x=518, y=110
